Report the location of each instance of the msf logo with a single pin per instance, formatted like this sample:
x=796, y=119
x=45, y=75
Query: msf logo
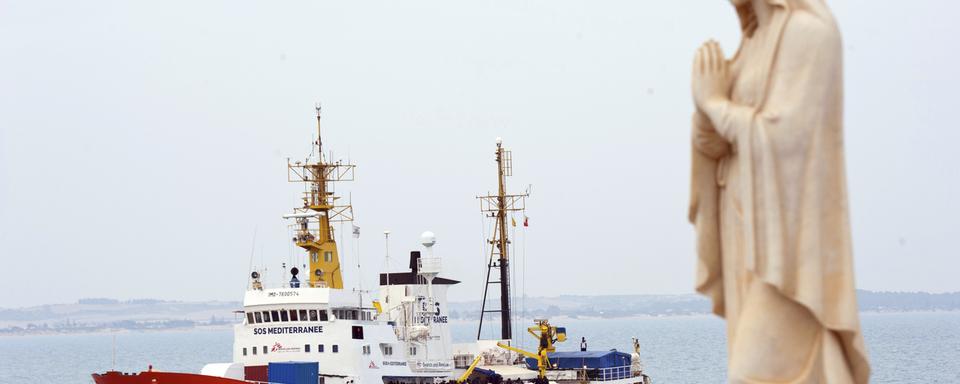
x=276, y=347
x=373, y=365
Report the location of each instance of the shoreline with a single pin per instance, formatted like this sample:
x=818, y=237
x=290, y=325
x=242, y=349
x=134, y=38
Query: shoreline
x=224, y=327
x=106, y=331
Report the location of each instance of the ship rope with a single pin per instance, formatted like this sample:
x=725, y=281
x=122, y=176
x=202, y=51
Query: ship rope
x=293, y=258
x=523, y=277
x=340, y=224
x=513, y=277
x=485, y=258
x=359, y=271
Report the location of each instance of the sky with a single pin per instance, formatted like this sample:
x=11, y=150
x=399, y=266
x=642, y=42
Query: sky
x=143, y=145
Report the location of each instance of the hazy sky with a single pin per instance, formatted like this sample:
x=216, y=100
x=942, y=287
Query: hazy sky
x=143, y=143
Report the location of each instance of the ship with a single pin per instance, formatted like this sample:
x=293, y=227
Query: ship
x=311, y=329
x=502, y=360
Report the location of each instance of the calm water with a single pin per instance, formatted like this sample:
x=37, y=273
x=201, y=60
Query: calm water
x=904, y=348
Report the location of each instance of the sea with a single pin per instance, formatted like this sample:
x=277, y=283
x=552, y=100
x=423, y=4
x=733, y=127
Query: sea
x=915, y=347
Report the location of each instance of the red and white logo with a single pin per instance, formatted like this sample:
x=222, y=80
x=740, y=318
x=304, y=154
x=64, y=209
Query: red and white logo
x=373, y=365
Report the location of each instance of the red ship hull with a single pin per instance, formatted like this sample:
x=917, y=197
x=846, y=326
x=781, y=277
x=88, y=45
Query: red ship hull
x=151, y=377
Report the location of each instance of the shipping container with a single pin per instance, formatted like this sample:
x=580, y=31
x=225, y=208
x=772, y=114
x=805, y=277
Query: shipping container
x=255, y=373
x=293, y=372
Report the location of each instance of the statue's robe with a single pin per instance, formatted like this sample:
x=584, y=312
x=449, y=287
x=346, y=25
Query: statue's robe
x=772, y=216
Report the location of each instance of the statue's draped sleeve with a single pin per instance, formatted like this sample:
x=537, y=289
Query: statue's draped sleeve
x=793, y=185
x=704, y=214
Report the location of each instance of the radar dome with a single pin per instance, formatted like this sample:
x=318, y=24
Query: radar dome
x=428, y=239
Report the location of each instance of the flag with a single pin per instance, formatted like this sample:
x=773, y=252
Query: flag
x=356, y=231
x=526, y=221
x=512, y=221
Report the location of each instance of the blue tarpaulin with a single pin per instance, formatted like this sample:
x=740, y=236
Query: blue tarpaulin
x=485, y=372
x=588, y=359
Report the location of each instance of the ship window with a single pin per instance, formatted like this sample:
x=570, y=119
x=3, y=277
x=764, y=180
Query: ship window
x=250, y=318
x=366, y=349
x=323, y=315
x=244, y=351
x=315, y=257
x=357, y=332
x=293, y=315
x=345, y=314
x=386, y=349
x=266, y=316
x=306, y=347
x=254, y=350
x=328, y=256
x=336, y=348
x=413, y=351
x=320, y=348
x=283, y=316
x=303, y=315
x=275, y=315
x=462, y=361
x=313, y=315
x=264, y=349
x=258, y=317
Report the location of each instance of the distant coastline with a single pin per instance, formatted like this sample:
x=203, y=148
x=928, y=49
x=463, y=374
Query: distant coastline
x=99, y=315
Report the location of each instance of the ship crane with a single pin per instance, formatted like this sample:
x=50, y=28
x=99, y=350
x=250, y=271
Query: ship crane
x=547, y=335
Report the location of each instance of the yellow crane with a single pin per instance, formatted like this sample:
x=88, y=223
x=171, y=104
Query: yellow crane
x=547, y=335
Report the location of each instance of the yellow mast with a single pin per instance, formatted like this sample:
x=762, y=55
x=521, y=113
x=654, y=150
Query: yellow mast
x=313, y=231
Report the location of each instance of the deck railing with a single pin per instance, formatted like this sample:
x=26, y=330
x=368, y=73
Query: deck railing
x=611, y=373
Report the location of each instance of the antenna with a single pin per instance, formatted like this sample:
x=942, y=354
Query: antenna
x=356, y=237
x=319, y=139
x=253, y=250
x=386, y=245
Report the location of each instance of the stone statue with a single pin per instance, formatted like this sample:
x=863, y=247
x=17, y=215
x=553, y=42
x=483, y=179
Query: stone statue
x=769, y=198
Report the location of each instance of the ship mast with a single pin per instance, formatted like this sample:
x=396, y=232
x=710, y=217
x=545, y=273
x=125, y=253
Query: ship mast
x=496, y=207
x=313, y=231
